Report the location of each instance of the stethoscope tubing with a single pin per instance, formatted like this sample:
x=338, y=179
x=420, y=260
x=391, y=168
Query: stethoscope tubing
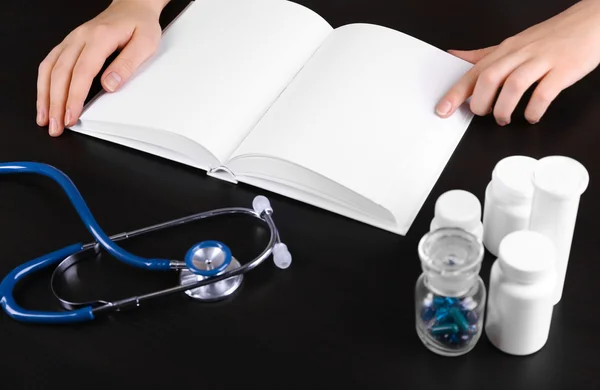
x=84, y=213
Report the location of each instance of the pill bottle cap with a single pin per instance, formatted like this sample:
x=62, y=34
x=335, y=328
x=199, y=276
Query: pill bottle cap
x=561, y=177
x=451, y=260
x=511, y=178
x=526, y=256
x=457, y=208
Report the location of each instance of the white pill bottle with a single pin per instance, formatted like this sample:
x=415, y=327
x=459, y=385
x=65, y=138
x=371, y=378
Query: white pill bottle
x=508, y=199
x=458, y=209
x=559, y=183
x=521, y=293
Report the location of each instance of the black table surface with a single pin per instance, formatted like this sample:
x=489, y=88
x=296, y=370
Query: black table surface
x=343, y=314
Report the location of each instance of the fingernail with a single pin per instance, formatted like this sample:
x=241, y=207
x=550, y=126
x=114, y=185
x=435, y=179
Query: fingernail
x=112, y=81
x=443, y=108
x=68, y=117
x=53, y=127
x=41, y=117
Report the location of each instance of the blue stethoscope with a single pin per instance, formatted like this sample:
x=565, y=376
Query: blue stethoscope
x=209, y=272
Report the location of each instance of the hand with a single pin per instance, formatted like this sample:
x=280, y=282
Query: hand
x=557, y=53
x=66, y=74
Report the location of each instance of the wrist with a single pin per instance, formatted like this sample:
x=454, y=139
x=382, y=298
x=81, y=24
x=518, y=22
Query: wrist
x=155, y=6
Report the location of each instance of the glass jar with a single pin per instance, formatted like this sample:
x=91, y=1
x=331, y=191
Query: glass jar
x=450, y=295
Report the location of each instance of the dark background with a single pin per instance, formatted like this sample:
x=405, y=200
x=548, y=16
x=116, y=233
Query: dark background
x=343, y=313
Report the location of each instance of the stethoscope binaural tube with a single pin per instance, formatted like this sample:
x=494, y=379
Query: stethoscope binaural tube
x=283, y=260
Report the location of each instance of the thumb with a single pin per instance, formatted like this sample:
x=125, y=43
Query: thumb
x=139, y=48
x=472, y=56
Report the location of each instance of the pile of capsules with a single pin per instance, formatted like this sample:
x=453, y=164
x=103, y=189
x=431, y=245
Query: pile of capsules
x=450, y=321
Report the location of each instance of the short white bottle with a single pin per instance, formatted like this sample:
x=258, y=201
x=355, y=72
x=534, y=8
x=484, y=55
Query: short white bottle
x=458, y=209
x=521, y=288
x=508, y=198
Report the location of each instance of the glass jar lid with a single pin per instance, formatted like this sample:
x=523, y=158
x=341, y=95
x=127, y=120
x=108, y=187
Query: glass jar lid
x=451, y=258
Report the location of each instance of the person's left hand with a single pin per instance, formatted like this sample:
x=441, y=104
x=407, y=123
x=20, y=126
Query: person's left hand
x=557, y=53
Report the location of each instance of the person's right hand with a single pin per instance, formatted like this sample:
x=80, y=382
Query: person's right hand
x=555, y=54
x=66, y=74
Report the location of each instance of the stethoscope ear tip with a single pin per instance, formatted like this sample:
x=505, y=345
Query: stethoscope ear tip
x=281, y=255
x=260, y=204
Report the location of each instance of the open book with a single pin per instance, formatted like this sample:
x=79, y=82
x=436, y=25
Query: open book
x=267, y=93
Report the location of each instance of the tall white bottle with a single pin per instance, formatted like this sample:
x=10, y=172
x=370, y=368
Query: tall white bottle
x=559, y=183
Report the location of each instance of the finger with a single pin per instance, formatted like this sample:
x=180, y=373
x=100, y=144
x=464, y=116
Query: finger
x=517, y=83
x=134, y=54
x=546, y=92
x=491, y=79
x=43, y=84
x=59, y=86
x=464, y=88
x=89, y=64
x=458, y=94
x=472, y=56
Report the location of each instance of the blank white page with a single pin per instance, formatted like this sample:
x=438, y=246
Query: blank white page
x=219, y=67
x=362, y=113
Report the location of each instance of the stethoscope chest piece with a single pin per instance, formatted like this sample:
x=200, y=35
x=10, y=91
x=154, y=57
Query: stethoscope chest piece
x=209, y=259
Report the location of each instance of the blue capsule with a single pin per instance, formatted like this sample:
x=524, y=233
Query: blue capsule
x=427, y=313
x=438, y=302
x=441, y=314
x=444, y=329
x=460, y=319
x=449, y=301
